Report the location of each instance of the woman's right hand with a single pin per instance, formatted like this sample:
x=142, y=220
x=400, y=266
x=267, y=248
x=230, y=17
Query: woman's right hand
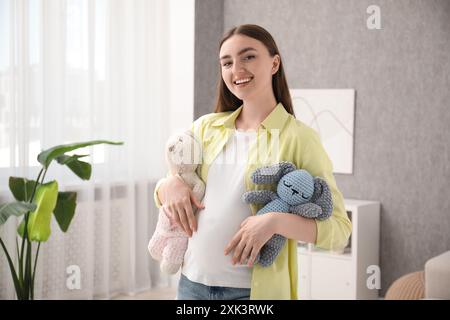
x=177, y=199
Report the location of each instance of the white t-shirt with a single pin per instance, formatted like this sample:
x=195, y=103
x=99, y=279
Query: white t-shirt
x=204, y=260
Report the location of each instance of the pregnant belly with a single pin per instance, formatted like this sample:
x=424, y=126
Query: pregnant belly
x=206, y=246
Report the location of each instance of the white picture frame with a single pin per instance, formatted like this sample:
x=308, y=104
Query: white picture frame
x=330, y=112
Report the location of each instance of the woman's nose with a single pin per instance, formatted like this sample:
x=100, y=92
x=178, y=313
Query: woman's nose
x=237, y=66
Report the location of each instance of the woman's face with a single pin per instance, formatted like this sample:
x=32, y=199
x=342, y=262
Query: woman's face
x=247, y=66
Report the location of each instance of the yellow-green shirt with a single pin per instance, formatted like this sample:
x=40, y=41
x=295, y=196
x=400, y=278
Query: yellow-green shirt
x=280, y=137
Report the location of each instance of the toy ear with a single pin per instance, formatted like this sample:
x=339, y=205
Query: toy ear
x=272, y=173
x=322, y=197
x=189, y=133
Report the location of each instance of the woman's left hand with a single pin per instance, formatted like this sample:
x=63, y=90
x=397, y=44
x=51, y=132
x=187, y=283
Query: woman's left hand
x=255, y=231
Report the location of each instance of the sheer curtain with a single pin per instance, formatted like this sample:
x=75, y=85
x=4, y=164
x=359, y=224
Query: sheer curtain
x=78, y=70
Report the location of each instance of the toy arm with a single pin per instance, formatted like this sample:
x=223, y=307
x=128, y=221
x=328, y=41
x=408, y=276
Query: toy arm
x=199, y=189
x=259, y=196
x=307, y=210
x=195, y=183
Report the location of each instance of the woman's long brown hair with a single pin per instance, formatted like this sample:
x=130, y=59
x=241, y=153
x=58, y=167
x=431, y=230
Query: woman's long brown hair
x=227, y=101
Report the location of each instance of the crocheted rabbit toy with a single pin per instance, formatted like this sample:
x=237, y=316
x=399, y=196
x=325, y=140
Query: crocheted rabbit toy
x=169, y=242
x=297, y=192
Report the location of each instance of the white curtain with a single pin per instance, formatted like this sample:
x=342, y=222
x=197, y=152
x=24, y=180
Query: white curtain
x=78, y=70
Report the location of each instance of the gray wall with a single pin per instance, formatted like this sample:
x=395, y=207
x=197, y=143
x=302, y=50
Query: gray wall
x=208, y=32
x=402, y=125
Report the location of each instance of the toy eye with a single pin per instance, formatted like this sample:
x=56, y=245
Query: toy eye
x=287, y=185
x=304, y=197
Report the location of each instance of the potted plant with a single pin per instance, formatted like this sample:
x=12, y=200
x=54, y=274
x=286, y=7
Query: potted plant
x=38, y=201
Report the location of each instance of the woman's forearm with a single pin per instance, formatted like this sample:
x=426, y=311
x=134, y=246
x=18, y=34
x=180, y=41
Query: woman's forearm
x=295, y=227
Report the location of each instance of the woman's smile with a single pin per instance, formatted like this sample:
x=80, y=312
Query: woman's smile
x=242, y=82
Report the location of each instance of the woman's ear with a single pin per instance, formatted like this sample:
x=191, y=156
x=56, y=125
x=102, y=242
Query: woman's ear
x=276, y=64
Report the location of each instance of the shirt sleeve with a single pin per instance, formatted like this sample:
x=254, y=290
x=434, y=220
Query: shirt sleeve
x=334, y=232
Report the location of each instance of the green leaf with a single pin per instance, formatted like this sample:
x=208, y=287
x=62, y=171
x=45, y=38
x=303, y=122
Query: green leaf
x=65, y=209
x=80, y=168
x=46, y=156
x=64, y=159
x=21, y=228
x=21, y=188
x=14, y=209
x=40, y=219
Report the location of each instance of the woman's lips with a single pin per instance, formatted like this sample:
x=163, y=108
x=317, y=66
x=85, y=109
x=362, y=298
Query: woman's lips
x=241, y=85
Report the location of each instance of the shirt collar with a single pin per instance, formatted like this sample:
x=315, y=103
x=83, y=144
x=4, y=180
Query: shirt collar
x=275, y=120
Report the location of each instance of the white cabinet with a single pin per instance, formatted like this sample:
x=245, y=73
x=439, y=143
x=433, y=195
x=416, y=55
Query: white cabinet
x=343, y=275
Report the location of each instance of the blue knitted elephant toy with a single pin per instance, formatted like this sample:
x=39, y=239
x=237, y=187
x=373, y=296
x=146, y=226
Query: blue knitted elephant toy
x=297, y=192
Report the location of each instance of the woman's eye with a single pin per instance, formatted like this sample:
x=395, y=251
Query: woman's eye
x=227, y=64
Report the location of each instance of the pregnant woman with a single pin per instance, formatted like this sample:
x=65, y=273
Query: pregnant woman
x=253, y=125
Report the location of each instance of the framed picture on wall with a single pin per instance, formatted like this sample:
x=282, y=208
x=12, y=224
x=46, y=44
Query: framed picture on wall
x=330, y=112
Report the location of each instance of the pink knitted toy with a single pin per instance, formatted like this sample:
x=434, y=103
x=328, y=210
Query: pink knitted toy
x=169, y=242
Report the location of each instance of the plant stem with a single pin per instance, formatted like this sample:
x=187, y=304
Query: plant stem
x=27, y=277
x=25, y=232
x=17, y=285
x=34, y=271
x=20, y=264
x=27, y=282
x=30, y=271
x=36, y=184
x=43, y=177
